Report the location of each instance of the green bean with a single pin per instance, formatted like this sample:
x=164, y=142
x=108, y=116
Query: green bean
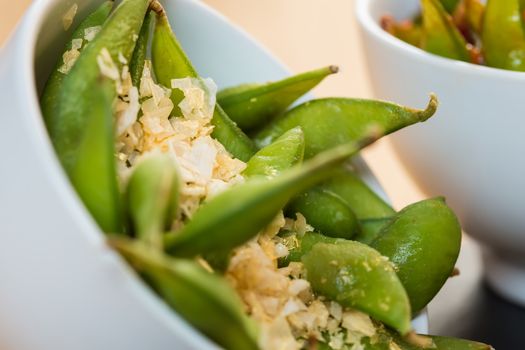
x=357, y=276
x=136, y=65
x=503, y=35
x=203, y=299
x=152, y=197
x=282, y=154
x=440, y=36
x=327, y=212
x=75, y=111
x=50, y=94
x=93, y=174
x=370, y=229
x=170, y=62
x=333, y=121
x=236, y=215
x=253, y=105
x=423, y=241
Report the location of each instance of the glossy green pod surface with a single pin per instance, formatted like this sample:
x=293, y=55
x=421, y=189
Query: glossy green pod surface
x=423, y=241
x=357, y=276
x=252, y=105
x=236, y=215
x=282, y=154
x=203, y=299
x=329, y=122
x=152, y=195
x=371, y=229
x=136, y=65
x=171, y=62
x=503, y=35
x=440, y=36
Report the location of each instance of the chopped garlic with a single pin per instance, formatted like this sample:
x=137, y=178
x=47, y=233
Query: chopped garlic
x=69, y=58
x=69, y=16
x=107, y=66
x=76, y=44
x=91, y=32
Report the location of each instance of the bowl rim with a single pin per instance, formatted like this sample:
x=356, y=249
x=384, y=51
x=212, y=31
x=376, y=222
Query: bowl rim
x=367, y=21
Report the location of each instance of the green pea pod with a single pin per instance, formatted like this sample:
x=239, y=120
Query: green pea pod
x=74, y=110
x=252, y=106
x=236, y=215
x=370, y=229
x=170, y=62
x=503, y=36
x=203, y=299
x=440, y=36
x=423, y=241
x=285, y=152
x=329, y=122
x=298, y=246
x=357, y=276
x=327, y=212
x=474, y=12
x=136, y=65
x=152, y=196
x=94, y=174
x=50, y=94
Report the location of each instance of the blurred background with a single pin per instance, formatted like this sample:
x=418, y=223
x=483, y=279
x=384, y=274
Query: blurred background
x=307, y=34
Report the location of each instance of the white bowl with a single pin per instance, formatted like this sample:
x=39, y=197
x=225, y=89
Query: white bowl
x=472, y=151
x=62, y=287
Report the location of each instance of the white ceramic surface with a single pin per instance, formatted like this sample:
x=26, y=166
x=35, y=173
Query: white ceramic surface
x=472, y=151
x=61, y=286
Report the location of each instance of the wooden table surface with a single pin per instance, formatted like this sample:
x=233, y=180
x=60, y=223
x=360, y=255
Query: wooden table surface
x=306, y=34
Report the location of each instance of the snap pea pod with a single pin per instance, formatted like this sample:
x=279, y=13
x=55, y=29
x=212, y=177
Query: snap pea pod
x=152, y=195
x=333, y=121
x=357, y=276
x=370, y=229
x=503, y=36
x=136, y=65
x=236, y=215
x=49, y=97
x=423, y=241
x=298, y=246
x=203, y=299
x=440, y=36
x=74, y=113
x=326, y=211
x=474, y=12
x=95, y=159
x=282, y=154
x=253, y=105
x=170, y=62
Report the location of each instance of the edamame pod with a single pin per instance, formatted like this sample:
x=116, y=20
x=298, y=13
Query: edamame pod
x=236, y=215
x=136, y=65
x=251, y=106
x=152, y=197
x=503, y=35
x=285, y=152
x=370, y=229
x=94, y=174
x=49, y=97
x=203, y=299
x=170, y=62
x=329, y=122
x=74, y=113
x=357, y=276
x=440, y=36
x=326, y=211
x=423, y=241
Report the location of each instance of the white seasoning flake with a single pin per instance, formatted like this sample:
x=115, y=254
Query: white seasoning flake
x=69, y=58
x=91, y=32
x=106, y=65
x=122, y=59
x=76, y=44
x=69, y=16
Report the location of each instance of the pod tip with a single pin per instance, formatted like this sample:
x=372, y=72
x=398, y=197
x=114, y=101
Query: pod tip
x=333, y=69
x=156, y=7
